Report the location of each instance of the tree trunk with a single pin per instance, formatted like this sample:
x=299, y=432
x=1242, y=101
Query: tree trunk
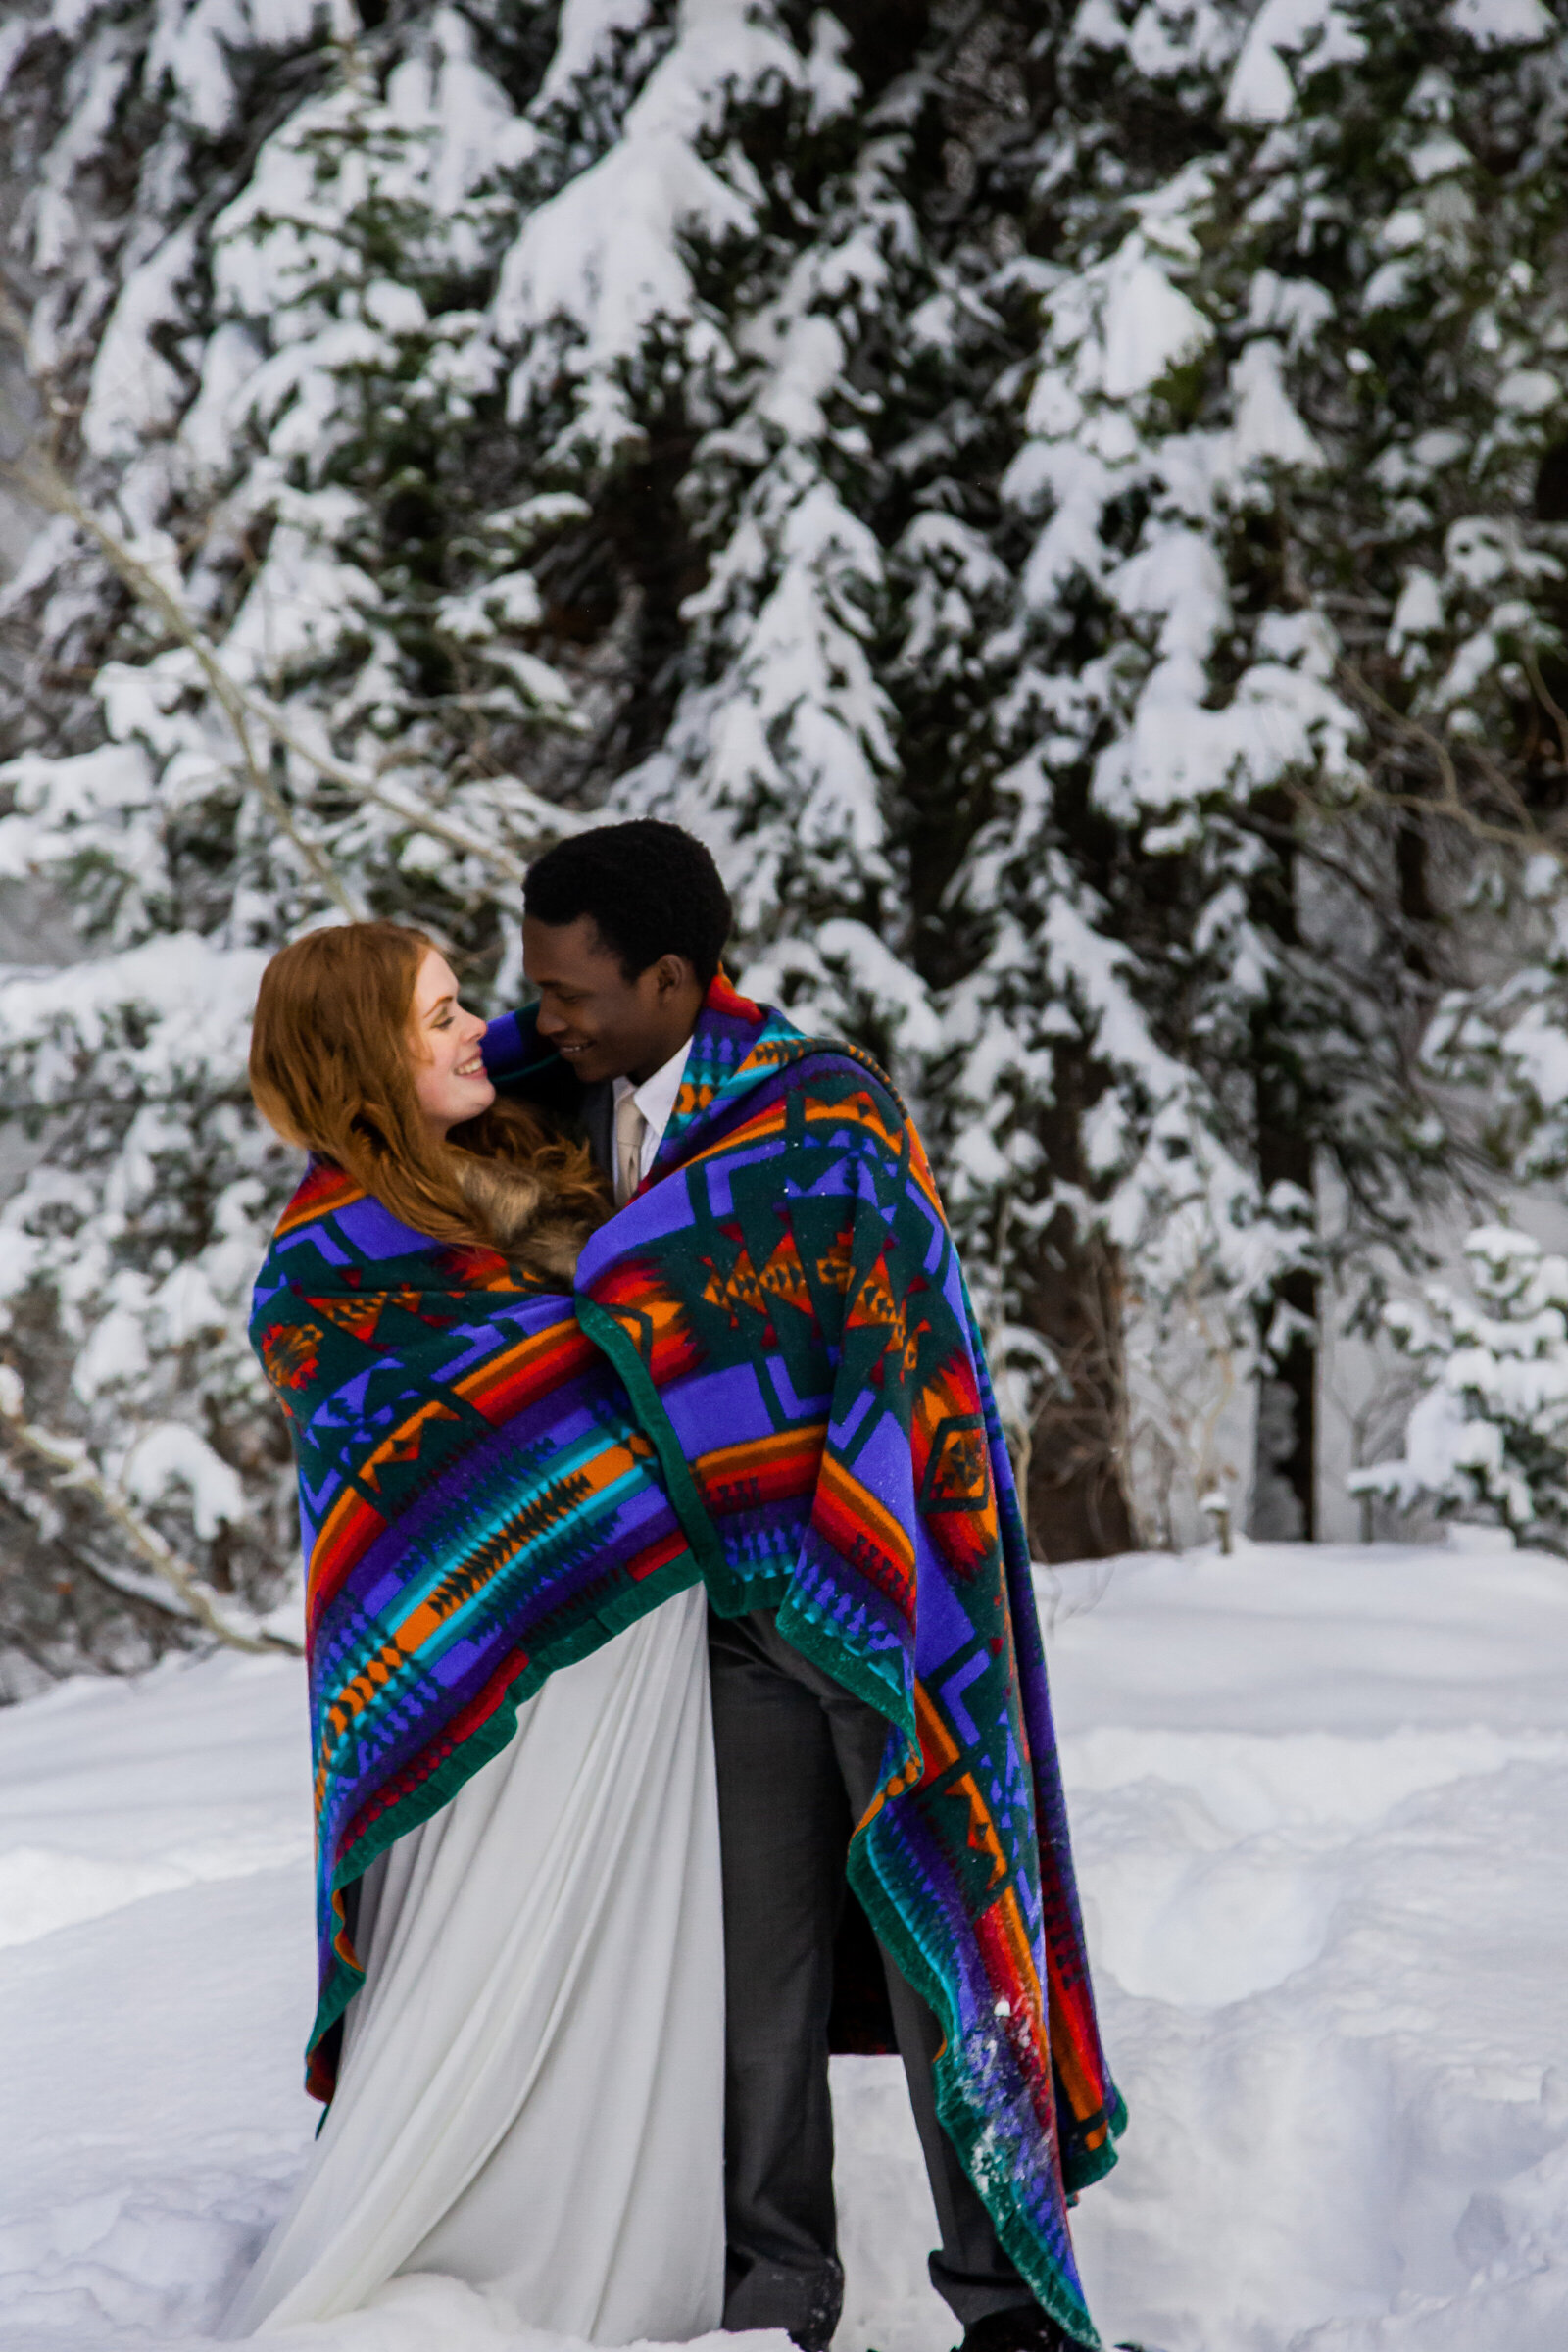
x=1285, y=1450
x=1283, y=1500
x=1075, y=1481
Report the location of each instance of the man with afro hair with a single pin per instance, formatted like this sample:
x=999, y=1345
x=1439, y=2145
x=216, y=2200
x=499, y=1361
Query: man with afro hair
x=624, y=929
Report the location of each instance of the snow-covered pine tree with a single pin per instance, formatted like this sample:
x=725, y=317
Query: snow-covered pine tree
x=1299, y=273
x=1490, y=1434
x=289, y=628
x=1172, y=946
x=953, y=457
x=374, y=352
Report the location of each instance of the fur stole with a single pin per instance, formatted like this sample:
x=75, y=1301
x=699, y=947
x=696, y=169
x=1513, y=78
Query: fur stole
x=526, y=1218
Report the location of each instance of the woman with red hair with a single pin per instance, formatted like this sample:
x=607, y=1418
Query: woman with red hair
x=523, y=1991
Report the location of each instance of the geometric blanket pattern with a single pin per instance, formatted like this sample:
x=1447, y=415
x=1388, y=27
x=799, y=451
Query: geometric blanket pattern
x=785, y=1304
x=773, y=1380
x=477, y=1507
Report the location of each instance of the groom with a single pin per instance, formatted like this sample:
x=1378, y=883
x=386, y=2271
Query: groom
x=623, y=928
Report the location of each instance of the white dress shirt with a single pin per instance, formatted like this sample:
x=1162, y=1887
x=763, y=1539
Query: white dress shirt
x=655, y=1099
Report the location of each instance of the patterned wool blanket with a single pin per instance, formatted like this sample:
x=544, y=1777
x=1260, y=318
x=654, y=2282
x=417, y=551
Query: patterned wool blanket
x=786, y=1307
x=803, y=1417
x=477, y=1503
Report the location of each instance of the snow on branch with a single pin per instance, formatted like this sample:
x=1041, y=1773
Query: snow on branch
x=37, y=479
x=148, y=1468
x=1490, y=1434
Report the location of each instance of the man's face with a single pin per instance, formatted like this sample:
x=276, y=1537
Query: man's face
x=599, y=1022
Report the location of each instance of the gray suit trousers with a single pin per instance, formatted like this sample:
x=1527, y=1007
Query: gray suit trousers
x=798, y=1763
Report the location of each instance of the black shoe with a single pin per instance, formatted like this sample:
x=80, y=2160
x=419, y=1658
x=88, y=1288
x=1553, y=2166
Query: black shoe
x=1021, y=2328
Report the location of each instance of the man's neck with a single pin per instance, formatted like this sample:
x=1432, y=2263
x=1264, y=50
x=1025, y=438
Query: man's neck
x=657, y=1060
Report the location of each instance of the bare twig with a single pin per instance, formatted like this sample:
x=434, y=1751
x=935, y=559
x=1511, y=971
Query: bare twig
x=1449, y=802
x=74, y=1466
x=1546, y=698
x=365, y=788
x=39, y=480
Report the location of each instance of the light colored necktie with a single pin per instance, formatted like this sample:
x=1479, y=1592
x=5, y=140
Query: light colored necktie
x=630, y=1130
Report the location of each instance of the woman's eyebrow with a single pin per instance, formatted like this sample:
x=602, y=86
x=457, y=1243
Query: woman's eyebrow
x=431, y=1010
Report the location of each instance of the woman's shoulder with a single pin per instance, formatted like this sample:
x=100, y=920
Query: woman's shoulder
x=337, y=1235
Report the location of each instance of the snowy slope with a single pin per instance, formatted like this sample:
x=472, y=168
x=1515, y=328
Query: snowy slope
x=1319, y=1798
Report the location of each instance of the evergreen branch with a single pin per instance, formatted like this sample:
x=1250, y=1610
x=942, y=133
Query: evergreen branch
x=1400, y=926
x=37, y=478
x=39, y=481
x=367, y=788
x=74, y=1466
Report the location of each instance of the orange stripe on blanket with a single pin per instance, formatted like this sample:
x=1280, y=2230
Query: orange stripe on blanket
x=938, y=1748
x=1072, y=2035
x=937, y=1752
x=740, y=1478
x=424, y=1766
x=863, y=1108
x=454, y=1593
x=347, y=1533
x=1005, y=1936
x=857, y=1527
x=589, y=1477
x=403, y=1446
x=351, y=1700
x=1005, y=1924
x=858, y=1109
x=1010, y=1971
x=548, y=1359
x=324, y=1190
x=654, y=1320
x=982, y=1830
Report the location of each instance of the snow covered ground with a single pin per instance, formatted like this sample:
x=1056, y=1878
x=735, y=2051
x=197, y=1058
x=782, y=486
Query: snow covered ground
x=1319, y=1799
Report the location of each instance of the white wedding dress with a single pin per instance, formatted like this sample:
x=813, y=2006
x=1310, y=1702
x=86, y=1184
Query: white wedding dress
x=531, y=2094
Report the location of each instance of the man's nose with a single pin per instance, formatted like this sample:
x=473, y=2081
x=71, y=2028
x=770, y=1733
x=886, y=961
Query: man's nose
x=550, y=1024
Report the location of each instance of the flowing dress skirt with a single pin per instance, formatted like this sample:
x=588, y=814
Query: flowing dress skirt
x=531, y=2096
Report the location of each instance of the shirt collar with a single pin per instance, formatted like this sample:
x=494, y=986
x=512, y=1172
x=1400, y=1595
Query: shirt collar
x=656, y=1097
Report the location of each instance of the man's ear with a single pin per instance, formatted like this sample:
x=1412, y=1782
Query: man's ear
x=674, y=971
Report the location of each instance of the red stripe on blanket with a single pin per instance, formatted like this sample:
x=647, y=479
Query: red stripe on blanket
x=773, y=1469
x=634, y=1292
x=855, y=1524
x=656, y=1555
x=534, y=1368
x=429, y=1760
x=349, y=1530
x=1010, y=1971
x=325, y=1189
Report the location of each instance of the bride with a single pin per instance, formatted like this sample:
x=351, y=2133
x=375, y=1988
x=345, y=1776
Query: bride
x=529, y=2093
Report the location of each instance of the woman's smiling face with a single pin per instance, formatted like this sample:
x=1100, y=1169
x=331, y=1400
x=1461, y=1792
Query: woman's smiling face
x=449, y=1078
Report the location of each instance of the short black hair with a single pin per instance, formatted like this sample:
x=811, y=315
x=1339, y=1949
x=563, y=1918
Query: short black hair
x=650, y=889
